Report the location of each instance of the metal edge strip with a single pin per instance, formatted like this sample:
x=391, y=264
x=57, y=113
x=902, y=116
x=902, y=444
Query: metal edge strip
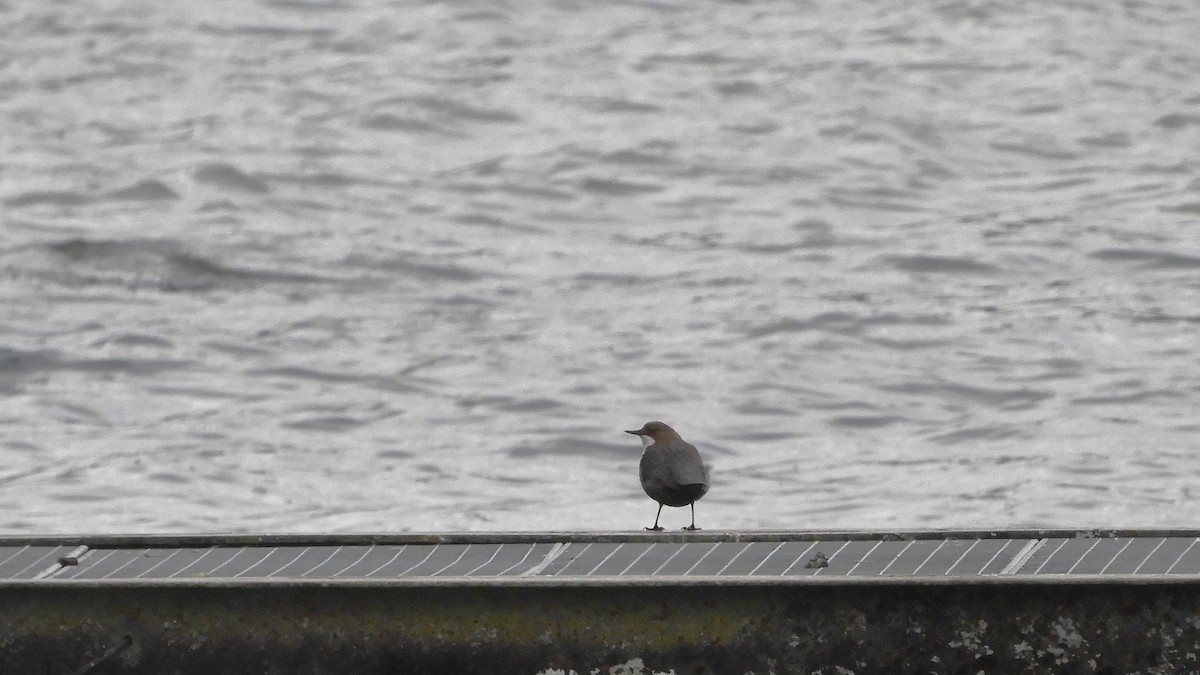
x=367, y=538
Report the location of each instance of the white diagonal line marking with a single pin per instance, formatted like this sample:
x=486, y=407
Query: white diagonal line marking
x=865, y=556
x=898, y=556
x=960, y=558
x=555, y=551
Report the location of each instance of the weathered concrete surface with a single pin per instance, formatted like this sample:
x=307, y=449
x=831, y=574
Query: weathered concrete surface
x=844, y=628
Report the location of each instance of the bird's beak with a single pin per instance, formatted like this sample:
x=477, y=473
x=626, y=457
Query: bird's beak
x=635, y=433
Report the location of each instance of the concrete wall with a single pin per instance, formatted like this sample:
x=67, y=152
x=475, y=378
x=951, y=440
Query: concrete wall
x=1005, y=628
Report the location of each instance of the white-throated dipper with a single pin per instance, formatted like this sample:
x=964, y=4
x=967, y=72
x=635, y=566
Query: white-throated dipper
x=671, y=470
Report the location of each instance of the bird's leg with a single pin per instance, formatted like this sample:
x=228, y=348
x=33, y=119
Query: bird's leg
x=692, y=527
x=656, y=528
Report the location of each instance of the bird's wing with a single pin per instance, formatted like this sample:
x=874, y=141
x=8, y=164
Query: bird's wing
x=686, y=466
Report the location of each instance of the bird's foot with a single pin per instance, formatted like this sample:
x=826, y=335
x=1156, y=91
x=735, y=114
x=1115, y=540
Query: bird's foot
x=691, y=528
x=654, y=529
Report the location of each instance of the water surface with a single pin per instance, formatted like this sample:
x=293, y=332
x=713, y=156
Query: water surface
x=384, y=265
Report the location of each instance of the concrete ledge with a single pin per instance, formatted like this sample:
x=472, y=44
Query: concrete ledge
x=1025, y=601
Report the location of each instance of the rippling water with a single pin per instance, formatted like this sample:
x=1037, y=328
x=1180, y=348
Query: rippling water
x=384, y=265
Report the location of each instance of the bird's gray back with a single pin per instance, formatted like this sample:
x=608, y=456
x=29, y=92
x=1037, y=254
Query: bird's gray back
x=673, y=465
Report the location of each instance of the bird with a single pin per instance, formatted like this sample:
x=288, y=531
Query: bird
x=671, y=470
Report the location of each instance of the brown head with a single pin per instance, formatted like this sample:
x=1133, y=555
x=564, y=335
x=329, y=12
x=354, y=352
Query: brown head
x=658, y=432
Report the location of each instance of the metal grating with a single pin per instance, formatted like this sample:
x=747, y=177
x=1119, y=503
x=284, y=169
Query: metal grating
x=927, y=557
x=29, y=562
x=308, y=562
x=1125, y=555
x=608, y=557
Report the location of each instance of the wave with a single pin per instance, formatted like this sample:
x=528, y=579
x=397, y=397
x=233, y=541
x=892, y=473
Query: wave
x=158, y=264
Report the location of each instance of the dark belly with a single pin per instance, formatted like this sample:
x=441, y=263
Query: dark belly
x=680, y=496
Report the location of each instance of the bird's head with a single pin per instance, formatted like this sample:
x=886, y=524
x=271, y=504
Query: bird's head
x=656, y=432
